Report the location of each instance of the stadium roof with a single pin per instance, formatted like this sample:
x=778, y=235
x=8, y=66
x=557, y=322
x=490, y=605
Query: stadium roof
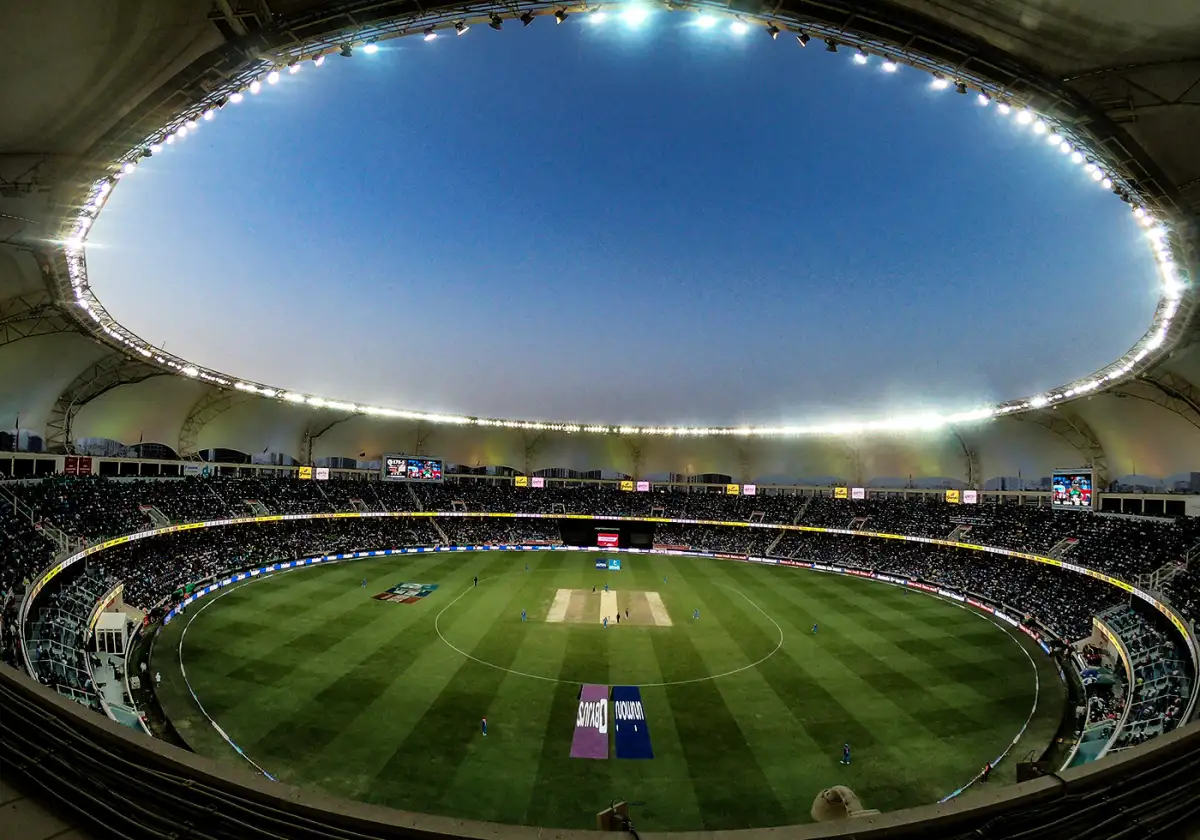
x=87, y=84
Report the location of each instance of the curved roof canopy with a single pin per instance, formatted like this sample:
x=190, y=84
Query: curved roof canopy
x=97, y=86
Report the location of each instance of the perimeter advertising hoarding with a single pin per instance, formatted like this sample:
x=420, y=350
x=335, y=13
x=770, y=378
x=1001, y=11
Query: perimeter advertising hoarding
x=733, y=489
x=643, y=487
x=304, y=473
x=537, y=481
x=321, y=474
x=858, y=493
x=1071, y=489
x=521, y=481
x=953, y=497
x=970, y=497
x=749, y=489
x=627, y=486
x=411, y=468
x=841, y=492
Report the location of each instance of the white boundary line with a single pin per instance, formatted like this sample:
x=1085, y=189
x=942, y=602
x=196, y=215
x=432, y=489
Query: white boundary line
x=188, y=682
x=437, y=626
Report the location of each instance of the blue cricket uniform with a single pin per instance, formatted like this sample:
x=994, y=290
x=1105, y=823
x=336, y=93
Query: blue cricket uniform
x=483, y=723
x=845, y=753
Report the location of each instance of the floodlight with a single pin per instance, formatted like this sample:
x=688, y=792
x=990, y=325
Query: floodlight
x=210, y=113
x=1077, y=157
x=430, y=34
x=1040, y=127
x=961, y=87
x=831, y=45
x=889, y=66
x=273, y=77
x=346, y=51
x=191, y=125
x=255, y=86
x=1004, y=109
x=371, y=48
x=1052, y=139
x=1107, y=183
x=597, y=17
x=129, y=167
x=318, y=60
x=527, y=18
x=1097, y=174
x=1025, y=116
x=773, y=31
x=704, y=22
x=235, y=98
x=294, y=68
x=461, y=28
x=1064, y=147
x=156, y=147
x=803, y=39
x=560, y=16
x=738, y=28
x=182, y=132
x=860, y=57
x=939, y=82
x=149, y=151
x=983, y=99
x=496, y=23
x=636, y=16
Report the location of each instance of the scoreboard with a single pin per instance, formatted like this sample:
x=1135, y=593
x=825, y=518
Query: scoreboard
x=410, y=468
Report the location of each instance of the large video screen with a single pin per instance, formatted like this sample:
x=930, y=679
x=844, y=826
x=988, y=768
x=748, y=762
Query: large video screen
x=408, y=468
x=1071, y=489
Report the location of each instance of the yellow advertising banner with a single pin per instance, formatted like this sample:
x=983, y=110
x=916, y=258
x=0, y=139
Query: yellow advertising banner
x=732, y=489
x=627, y=486
x=953, y=497
x=521, y=481
x=841, y=492
x=305, y=472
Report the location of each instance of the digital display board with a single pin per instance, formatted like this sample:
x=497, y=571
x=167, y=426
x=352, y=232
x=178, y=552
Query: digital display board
x=1071, y=489
x=410, y=468
x=749, y=489
x=537, y=481
x=970, y=497
x=321, y=474
x=643, y=487
x=858, y=493
x=607, y=540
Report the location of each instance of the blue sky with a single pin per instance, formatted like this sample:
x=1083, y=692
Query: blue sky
x=589, y=223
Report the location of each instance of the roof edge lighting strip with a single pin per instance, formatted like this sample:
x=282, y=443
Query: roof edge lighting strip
x=1059, y=135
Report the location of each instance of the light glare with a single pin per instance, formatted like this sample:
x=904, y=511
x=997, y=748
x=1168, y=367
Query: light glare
x=738, y=28
x=636, y=16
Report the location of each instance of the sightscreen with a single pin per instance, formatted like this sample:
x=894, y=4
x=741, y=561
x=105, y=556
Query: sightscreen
x=408, y=468
x=1071, y=489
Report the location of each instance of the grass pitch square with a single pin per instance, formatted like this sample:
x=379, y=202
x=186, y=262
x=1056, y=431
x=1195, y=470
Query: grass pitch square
x=321, y=686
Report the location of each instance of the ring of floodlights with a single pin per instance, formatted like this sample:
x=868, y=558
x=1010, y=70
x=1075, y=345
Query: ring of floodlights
x=260, y=73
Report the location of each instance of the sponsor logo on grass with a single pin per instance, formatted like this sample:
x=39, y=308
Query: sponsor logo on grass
x=614, y=564
x=407, y=593
x=629, y=723
x=591, y=723
x=601, y=563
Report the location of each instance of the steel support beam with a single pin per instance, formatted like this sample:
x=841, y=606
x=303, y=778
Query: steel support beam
x=1072, y=428
x=111, y=371
x=214, y=403
x=29, y=316
x=1166, y=390
x=974, y=473
x=310, y=436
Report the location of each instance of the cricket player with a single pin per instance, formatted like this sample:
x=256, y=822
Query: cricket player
x=605, y=622
x=476, y=580
x=845, y=753
x=364, y=583
x=696, y=614
x=483, y=723
x=523, y=615
x=814, y=629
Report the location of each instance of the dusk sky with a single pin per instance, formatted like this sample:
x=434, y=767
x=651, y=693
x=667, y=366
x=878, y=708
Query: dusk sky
x=589, y=223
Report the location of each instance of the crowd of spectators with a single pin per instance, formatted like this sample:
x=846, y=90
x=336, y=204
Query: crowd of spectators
x=1161, y=685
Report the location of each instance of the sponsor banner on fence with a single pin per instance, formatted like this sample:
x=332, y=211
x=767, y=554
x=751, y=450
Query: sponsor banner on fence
x=591, y=723
x=630, y=731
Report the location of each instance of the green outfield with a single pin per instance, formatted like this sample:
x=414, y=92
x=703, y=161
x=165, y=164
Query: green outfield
x=325, y=686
